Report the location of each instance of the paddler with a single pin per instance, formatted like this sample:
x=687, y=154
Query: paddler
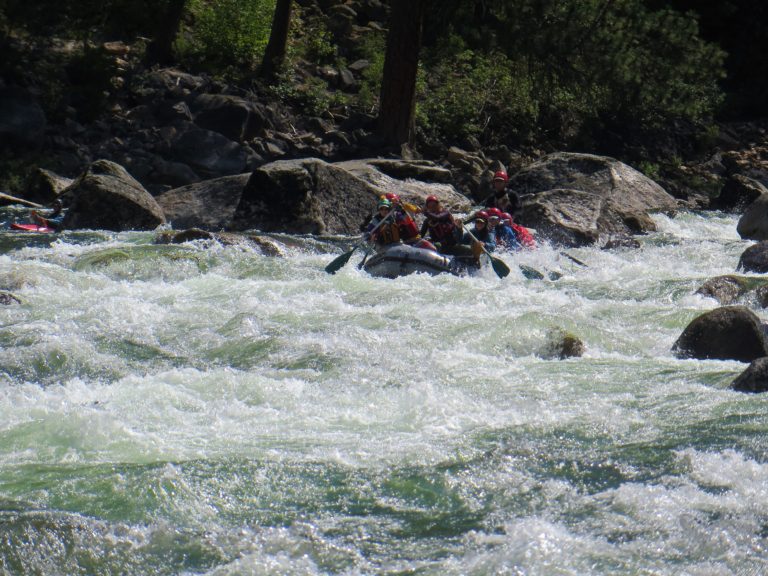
x=53, y=220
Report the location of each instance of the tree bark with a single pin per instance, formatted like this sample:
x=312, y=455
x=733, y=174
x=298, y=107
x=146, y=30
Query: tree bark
x=160, y=50
x=398, y=86
x=274, y=55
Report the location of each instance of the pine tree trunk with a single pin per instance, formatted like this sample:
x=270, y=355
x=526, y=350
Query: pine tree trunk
x=398, y=86
x=160, y=50
x=274, y=55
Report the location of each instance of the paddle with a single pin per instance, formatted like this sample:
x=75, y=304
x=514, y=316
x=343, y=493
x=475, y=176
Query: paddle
x=574, y=260
x=339, y=262
x=499, y=266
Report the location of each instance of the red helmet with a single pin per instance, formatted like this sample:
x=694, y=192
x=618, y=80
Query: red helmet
x=494, y=212
x=482, y=215
x=431, y=198
x=507, y=216
x=392, y=197
x=500, y=175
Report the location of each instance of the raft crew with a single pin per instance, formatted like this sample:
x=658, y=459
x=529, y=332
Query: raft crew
x=444, y=233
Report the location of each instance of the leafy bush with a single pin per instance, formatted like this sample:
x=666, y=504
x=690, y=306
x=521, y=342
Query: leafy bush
x=227, y=33
x=468, y=93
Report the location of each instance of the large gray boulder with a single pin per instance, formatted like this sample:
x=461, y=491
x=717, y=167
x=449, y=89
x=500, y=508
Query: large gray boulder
x=207, y=205
x=727, y=333
x=576, y=199
x=305, y=196
x=107, y=197
x=22, y=120
x=312, y=196
x=753, y=224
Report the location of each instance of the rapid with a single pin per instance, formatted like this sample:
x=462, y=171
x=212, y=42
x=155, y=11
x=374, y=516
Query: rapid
x=201, y=409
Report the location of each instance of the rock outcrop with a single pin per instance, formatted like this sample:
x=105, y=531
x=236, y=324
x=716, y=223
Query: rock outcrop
x=755, y=258
x=754, y=378
x=107, y=197
x=577, y=199
x=728, y=333
x=753, y=224
x=209, y=205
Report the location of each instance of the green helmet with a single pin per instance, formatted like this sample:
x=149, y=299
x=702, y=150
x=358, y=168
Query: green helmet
x=384, y=203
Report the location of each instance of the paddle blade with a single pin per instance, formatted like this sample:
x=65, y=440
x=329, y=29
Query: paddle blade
x=500, y=267
x=338, y=262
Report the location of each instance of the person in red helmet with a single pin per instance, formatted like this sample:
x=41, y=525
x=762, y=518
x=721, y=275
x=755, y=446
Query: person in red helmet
x=480, y=236
x=440, y=226
x=502, y=197
x=505, y=236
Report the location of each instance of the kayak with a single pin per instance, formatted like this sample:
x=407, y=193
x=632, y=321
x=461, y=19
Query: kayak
x=401, y=260
x=30, y=227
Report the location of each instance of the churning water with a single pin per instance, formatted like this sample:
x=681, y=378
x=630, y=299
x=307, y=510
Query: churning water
x=200, y=409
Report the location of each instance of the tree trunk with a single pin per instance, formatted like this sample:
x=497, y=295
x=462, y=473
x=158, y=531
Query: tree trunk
x=274, y=55
x=160, y=50
x=398, y=85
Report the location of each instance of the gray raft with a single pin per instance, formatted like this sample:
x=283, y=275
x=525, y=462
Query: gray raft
x=401, y=260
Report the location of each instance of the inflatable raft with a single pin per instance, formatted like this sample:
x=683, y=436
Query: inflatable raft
x=401, y=260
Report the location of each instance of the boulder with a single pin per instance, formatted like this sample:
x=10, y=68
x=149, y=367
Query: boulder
x=738, y=193
x=107, y=197
x=208, y=205
x=22, y=120
x=6, y=299
x=576, y=199
x=265, y=246
x=725, y=289
x=755, y=258
x=727, y=333
x=44, y=186
x=208, y=153
x=753, y=224
x=561, y=345
x=236, y=118
x=754, y=378
x=304, y=196
x=412, y=180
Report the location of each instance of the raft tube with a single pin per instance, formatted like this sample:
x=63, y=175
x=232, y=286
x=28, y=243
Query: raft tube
x=401, y=260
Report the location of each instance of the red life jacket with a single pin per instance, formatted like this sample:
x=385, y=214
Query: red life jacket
x=524, y=236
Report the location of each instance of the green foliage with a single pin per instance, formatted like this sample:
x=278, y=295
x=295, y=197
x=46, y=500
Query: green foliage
x=372, y=49
x=568, y=71
x=227, y=33
x=467, y=93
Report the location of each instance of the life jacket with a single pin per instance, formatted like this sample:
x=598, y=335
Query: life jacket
x=442, y=230
x=388, y=233
x=506, y=237
x=408, y=232
x=524, y=236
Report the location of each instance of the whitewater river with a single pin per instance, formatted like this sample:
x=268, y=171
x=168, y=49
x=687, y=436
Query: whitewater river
x=199, y=409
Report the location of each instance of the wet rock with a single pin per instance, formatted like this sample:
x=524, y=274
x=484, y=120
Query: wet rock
x=755, y=258
x=6, y=299
x=561, y=345
x=190, y=235
x=753, y=224
x=107, y=197
x=576, y=199
x=727, y=333
x=738, y=193
x=209, y=205
x=304, y=196
x=754, y=379
x=725, y=289
x=44, y=186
